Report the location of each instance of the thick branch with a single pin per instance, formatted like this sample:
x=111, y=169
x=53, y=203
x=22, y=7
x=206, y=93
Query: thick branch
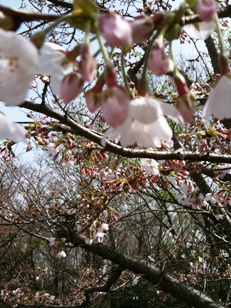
x=115, y=274
x=213, y=54
x=164, y=281
x=119, y=150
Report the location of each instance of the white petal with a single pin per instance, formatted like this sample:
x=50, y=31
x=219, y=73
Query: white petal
x=145, y=109
x=160, y=130
x=171, y=112
x=18, y=65
x=51, y=63
x=153, y=134
x=150, y=166
x=205, y=30
x=219, y=100
x=10, y=130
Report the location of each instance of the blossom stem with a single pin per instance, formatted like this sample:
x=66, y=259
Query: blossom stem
x=219, y=34
x=149, y=48
x=172, y=57
x=103, y=50
x=123, y=71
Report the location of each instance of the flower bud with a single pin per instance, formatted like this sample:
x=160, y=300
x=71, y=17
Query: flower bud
x=116, y=31
x=206, y=9
x=87, y=64
x=142, y=28
x=71, y=87
x=159, y=62
x=115, y=106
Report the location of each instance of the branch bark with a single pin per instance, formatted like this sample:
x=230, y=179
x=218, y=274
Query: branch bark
x=117, y=149
x=162, y=280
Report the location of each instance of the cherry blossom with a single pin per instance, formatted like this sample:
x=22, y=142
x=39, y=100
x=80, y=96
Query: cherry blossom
x=61, y=254
x=10, y=130
x=142, y=28
x=218, y=102
x=150, y=166
x=185, y=102
x=116, y=31
x=93, y=100
x=207, y=9
x=201, y=31
x=145, y=124
x=18, y=65
x=115, y=106
x=71, y=86
x=99, y=235
x=87, y=64
x=159, y=62
x=52, y=62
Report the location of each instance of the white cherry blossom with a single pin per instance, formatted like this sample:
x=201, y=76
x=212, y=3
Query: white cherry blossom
x=61, y=254
x=51, y=62
x=18, y=65
x=10, y=130
x=146, y=124
x=219, y=100
x=150, y=166
x=201, y=31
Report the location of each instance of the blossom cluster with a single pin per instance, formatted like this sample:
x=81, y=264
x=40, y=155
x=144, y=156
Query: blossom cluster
x=134, y=118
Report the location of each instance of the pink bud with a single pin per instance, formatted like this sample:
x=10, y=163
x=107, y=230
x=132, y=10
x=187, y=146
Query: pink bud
x=206, y=9
x=159, y=63
x=71, y=87
x=116, y=31
x=142, y=28
x=115, y=106
x=87, y=64
x=110, y=73
x=181, y=85
x=186, y=107
x=93, y=100
x=45, y=79
x=34, y=83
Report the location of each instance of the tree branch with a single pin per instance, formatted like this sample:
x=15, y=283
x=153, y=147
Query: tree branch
x=119, y=150
x=164, y=281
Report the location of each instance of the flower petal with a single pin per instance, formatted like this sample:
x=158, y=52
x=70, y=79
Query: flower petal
x=205, y=29
x=18, y=65
x=10, y=130
x=171, y=112
x=145, y=109
x=219, y=100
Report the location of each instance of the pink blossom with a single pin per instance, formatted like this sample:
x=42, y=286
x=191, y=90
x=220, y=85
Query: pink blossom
x=115, y=106
x=93, y=100
x=186, y=106
x=71, y=87
x=185, y=103
x=207, y=9
x=142, y=28
x=87, y=64
x=159, y=62
x=116, y=31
